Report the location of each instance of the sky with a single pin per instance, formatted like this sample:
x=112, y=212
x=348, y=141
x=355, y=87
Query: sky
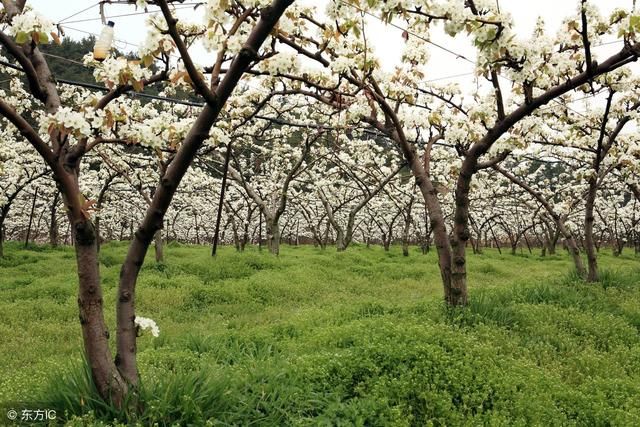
x=443, y=66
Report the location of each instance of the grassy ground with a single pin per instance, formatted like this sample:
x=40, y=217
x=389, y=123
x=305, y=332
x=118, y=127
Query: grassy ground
x=324, y=338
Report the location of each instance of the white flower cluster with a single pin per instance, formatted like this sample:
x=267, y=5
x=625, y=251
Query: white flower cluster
x=342, y=65
x=215, y=11
x=79, y=124
x=146, y=323
x=118, y=71
x=217, y=136
x=158, y=40
x=30, y=25
x=282, y=63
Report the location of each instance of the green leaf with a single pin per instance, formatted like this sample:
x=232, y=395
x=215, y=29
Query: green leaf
x=22, y=37
x=43, y=38
x=356, y=31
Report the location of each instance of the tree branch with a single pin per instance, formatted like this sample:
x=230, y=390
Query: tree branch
x=196, y=78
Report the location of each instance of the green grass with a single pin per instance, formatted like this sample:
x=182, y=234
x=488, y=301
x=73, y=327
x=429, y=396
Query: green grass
x=323, y=338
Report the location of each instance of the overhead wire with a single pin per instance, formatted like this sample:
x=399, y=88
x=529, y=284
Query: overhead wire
x=128, y=43
x=136, y=45
x=457, y=55
x=196, y=104
x=78, y=13
x=72, y=61
x=146, y=12
x=104, y=89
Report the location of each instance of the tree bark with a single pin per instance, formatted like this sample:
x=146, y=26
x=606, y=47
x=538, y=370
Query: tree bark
x=460, y=235
x=159, y=246
x=53, y=221
x=108, y=381
x=340, y=241
x=273, y=236
x=590, y=248
x=33, y=207
x=153, y=220
x=1, y=237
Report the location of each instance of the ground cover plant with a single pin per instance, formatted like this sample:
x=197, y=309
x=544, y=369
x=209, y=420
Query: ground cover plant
x=282, y=128
x=320, y=337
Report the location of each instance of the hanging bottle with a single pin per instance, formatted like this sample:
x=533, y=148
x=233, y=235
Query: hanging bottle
x=103, y=44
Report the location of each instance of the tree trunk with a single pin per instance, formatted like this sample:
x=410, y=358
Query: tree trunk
x=2, y=239
x=460, y=235
x=260, y=232
x=97, y=231
x=340, y=240
x=107, y=379
x=53, y=222
x=590, y=249
x=407, y=227
x=163, y=195
x=554, y=241
x=159, y=247
x=33, y=207
x=385, y=242
x=437, y=226
x=236, y=237
x=273, y=236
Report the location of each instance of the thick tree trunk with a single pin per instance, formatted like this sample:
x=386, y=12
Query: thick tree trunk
x=590, y=249
x=107, y=379
x=553, y=242
x=340, y=239
x=348, y=232
x=574, y=250
x=385, y=242
x=273, y=236
x=236, y=237
x=437, y=226
x=159, y=246
x=458, y=295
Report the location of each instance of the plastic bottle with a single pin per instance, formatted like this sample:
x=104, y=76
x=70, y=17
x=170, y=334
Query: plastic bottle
x=103, y=44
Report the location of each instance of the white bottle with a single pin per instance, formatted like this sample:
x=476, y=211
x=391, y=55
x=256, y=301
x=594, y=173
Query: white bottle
x=104, y=42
